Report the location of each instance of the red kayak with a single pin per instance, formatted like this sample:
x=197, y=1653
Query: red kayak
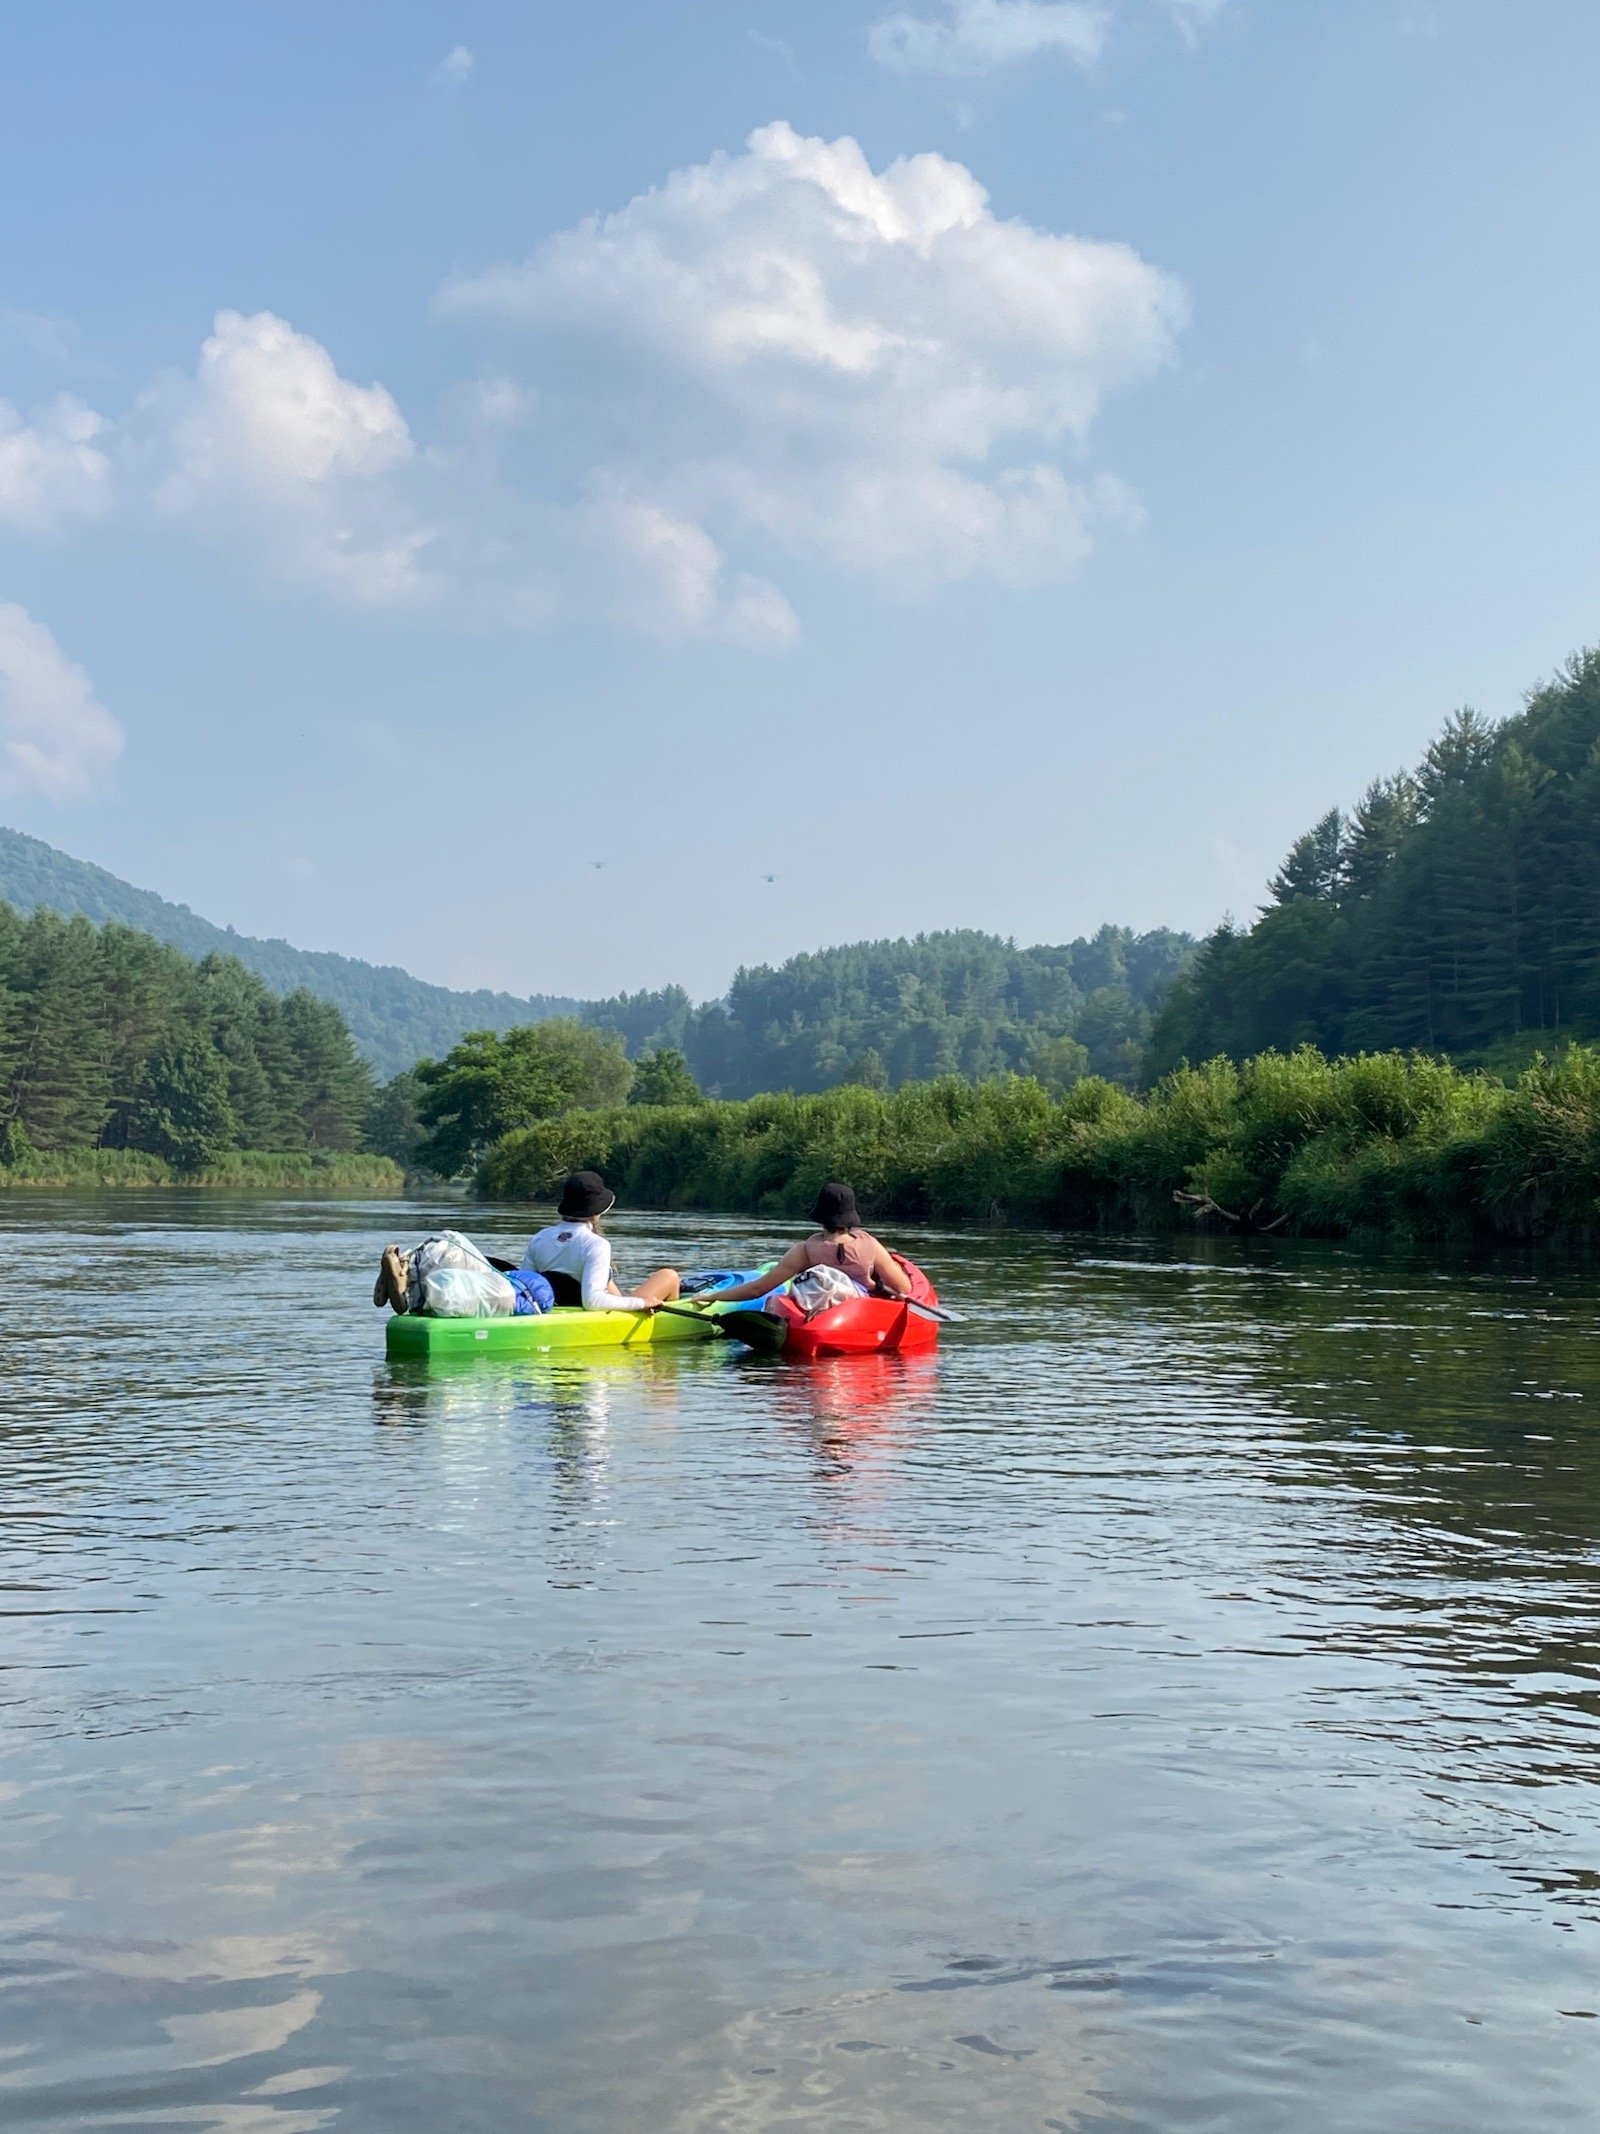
x=861, y=1326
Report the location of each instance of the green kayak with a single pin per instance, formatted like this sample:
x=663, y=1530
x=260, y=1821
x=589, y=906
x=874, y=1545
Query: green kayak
x=414, y=1335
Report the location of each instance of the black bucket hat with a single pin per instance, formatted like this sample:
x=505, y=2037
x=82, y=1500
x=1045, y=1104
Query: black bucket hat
x=836, y=1209
x=584, y=1196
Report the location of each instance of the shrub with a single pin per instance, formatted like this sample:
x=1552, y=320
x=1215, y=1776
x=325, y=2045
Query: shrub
x=1382, y=1143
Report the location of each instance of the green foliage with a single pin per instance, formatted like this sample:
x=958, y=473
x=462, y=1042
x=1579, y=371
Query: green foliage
x=1057, y=1063
x=181, y=1109
x=110, y=1040
x=393, y=1125
x=881, y=1013
x=491, y=1085
x=1386, y=1144
x=1456, y=910
x=663, y=1077
x=241, y=1170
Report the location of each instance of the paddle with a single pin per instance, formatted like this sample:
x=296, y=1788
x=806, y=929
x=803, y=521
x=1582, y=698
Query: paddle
x=755, y=1329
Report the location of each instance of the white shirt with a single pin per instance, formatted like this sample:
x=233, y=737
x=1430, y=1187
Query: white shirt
x=578, y=1250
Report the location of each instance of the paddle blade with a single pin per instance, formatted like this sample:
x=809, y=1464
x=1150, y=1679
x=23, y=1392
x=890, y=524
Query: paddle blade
x=757, y=1330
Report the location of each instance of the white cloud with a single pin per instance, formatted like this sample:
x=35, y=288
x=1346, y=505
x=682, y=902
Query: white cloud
x=1193, y=16
x=37, y=332
x=268, y=444
x=455, y=69
x=778, y=48
x=270, y=411
x=780, y=354
x=855, y=366
x=55, y=467
x=973, y=36
x=55, y=737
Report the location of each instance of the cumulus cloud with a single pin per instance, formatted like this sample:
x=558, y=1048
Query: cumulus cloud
x=56, y=738
x=455, y=69
x=267, y=444
x=778, y=355
x=267, y=449
x=974, y=36
x=860, y=366
x=54, y=467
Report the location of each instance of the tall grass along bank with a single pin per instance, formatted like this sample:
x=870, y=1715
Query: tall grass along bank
x=242, y=1170
x=1381, y=1145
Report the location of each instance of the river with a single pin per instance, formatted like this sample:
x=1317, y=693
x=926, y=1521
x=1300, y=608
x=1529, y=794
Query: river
x=1176, y=1705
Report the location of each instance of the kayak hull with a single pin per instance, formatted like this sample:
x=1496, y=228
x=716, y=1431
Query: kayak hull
x=417, y=1337
x=865, y=1326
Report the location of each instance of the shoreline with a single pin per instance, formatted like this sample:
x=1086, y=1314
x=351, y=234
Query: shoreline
x=126, y=1170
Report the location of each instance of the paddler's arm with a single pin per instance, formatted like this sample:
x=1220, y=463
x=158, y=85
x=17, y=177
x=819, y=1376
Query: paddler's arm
x=600, y=1292
x=888, y=1273
x=792, y=1263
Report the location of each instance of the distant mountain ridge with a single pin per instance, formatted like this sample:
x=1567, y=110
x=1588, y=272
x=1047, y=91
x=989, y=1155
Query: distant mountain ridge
x=878, y=1012
x=395, y=1019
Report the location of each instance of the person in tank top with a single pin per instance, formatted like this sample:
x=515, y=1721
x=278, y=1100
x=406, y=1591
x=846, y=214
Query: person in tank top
x=575, y=1259
x=841, y=1243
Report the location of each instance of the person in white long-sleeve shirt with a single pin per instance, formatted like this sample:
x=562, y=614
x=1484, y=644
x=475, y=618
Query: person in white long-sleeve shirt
x=575, y=1258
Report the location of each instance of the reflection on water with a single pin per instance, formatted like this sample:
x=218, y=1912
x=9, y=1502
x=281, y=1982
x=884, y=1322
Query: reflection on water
x=1177, y=1703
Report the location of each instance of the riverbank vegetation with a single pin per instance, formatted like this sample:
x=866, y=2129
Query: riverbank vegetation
x=243, y=1170
x=1387, y=1146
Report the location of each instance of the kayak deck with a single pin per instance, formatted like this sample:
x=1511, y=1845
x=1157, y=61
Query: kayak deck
x=416, y=1335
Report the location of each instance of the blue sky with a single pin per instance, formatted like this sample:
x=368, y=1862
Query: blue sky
x=1068, y=449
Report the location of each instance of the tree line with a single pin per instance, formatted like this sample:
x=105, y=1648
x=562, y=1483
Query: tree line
x=880, y=1013
x=111, y=1040
x=1455, y=909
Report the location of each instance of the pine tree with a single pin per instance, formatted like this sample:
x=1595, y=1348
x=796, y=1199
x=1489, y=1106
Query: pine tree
x=334, y=1082
x=1312, y=868
x=58, y=1087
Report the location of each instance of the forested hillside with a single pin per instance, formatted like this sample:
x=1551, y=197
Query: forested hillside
x=112, y=1040
x=1455, y=910
x=394, y=1017
x=887, y=1012
x=879, y=1012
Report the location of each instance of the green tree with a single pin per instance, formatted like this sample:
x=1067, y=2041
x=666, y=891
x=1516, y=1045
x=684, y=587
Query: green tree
x=1058, y=1063
x=58, y=1086
x=1314, y=863
x=393, y=1125
x=490, y=1085
x=868, y=1071
x=333, y=1082
x=181, y=1109
x=663, y=1077
x=1457, y=911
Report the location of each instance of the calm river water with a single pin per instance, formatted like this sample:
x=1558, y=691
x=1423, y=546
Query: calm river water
x=1174, y=1706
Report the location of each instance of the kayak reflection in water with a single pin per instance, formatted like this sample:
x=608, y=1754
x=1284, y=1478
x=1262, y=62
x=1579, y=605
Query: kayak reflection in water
x=575, y=1259
x=841, y=1247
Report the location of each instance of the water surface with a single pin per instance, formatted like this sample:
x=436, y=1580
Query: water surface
x=1176, y=1705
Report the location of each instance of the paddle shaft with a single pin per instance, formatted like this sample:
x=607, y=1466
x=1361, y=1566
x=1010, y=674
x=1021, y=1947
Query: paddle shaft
x=677, y=1311
x=928, y=1311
